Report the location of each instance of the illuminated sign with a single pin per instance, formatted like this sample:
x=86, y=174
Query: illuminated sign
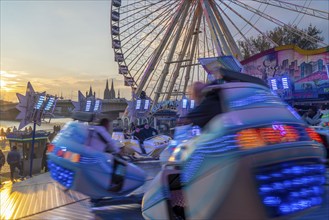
x=50, y=103
x=192, y=104
x=138, y=104
x=88, y=105
x=285, y=83
x=274, y=84
x=41, y=99
x=147, y=104
x=184, y=103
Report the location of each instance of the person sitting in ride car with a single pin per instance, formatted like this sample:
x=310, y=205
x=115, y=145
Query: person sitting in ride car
x=148, y=131
x=312, y=116
x=101, y=140
x=140, y=136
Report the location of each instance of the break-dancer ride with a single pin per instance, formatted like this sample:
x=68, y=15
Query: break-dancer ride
x=77, y=166
x=255, y=160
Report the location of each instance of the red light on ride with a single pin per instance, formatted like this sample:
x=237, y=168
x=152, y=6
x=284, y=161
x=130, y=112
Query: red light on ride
x=50, y=148
x=260, y=137
x=249, y=139
x=67, y=155
x=313, y=135
x=60, y=153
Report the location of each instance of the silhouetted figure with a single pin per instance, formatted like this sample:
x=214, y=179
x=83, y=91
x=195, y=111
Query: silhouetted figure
x=2, y=132
x=14, y=161
x=2, y=160
x=8, y=131
x=44, y=159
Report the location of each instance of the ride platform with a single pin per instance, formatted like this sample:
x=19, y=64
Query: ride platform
x=40, y=197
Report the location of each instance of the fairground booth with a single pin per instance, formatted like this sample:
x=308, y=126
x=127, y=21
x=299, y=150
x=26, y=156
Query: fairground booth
x=23, y=141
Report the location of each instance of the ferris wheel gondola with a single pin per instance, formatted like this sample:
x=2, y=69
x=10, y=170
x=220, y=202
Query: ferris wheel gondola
x=157, y=43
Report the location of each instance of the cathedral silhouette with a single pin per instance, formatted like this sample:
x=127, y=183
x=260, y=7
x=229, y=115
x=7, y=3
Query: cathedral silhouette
x=108, y=93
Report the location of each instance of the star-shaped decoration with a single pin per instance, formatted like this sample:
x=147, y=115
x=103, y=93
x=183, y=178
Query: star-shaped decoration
x=25, y=106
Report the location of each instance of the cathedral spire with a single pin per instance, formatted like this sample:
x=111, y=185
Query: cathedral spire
x=107, y=93
x=90, y=92
x=112, y=92
x=107, y=84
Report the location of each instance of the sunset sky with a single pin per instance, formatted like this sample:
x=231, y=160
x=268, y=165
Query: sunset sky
x=62, y=47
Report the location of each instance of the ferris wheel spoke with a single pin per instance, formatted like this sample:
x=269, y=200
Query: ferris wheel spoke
x=297, y=8
x=138, y=31
x=146, y=48
x=162, y=10
x=278, y=22
x=257, y=29
x=138, y=10
x=253, y=49
x=131, y=4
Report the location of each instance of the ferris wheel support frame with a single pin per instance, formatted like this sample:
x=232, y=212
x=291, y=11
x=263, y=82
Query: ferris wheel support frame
x=217, y=36
x=197, y=15
x=165, y=70
x=192, y=53
x=159, y=49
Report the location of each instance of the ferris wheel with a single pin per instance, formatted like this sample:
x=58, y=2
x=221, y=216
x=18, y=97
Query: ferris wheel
x=157, y=43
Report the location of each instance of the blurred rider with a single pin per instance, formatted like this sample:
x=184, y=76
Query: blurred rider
x=101, y=140
x=209, y=106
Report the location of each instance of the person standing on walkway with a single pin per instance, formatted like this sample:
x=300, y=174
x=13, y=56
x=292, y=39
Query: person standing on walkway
x=2, y=159
x=14, y=160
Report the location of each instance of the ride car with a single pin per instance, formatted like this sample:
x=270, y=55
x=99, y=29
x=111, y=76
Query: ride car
x=255, y=160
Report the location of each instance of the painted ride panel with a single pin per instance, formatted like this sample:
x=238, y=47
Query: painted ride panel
x=78, y=167
x=256, y=160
